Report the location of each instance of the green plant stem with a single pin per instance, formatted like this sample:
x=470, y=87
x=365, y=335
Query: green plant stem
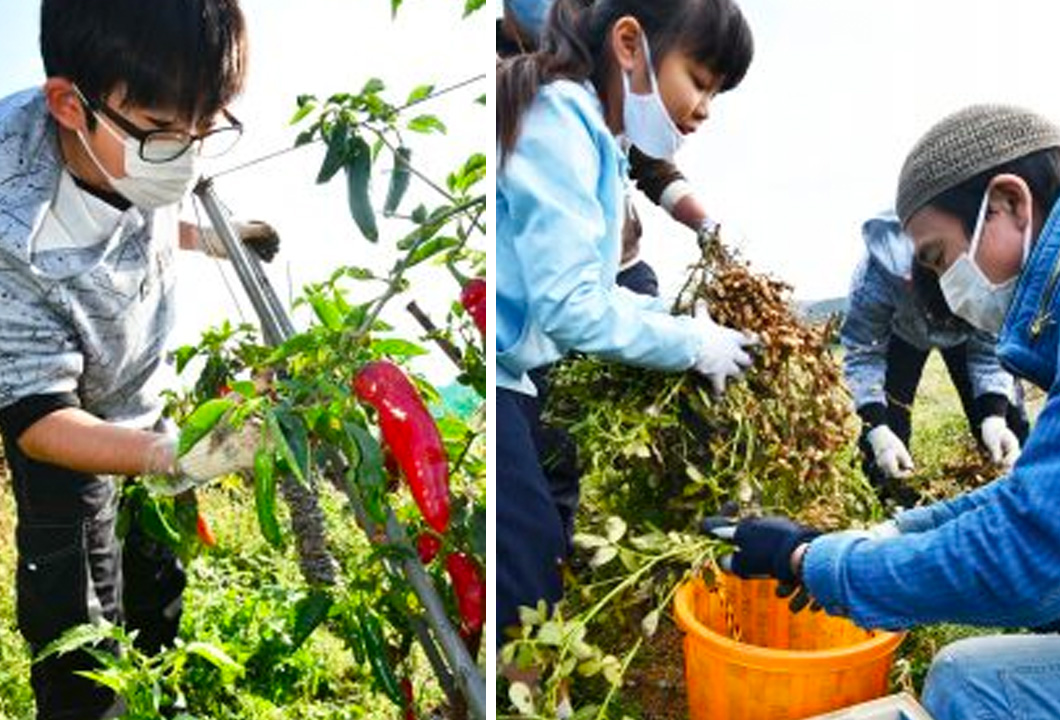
x=398, y=272
x=600, y=714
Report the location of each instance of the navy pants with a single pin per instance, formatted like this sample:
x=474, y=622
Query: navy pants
x=530, y=533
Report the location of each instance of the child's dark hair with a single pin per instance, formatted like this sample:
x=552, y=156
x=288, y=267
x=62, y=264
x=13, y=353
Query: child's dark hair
x=185, y=55
x=1040, y=170
x=574, y=47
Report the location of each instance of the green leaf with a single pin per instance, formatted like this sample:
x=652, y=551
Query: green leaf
x=297, y=436
x=396, y=347
x=326, y=311
x=373, y=86
x=201, y=421
x=183, y=355
x=284, y=449
x=615, y=528
x=649, y=625
x=302, y=112
x=394, y=5
x=603, y=556
x=419, y=93
x=589, y=542
x=431, y=248
x=522, y=698
x=310, y=611
x=112, y=678
x=426, y=124
x=76, y=638
x=215, y=656
x=471, y=6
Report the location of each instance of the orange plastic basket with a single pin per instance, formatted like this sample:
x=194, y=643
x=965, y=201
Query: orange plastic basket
x=747, y=657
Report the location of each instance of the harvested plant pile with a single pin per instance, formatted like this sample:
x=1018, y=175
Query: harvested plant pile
x=658, y=447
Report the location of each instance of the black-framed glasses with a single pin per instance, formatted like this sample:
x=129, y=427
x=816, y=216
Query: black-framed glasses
x=164, y=145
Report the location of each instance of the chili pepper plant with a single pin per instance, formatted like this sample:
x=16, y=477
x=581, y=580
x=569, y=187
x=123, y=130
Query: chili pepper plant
x=332, y=401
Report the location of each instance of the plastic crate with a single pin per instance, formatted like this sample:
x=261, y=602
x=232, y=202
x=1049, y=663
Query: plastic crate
x=901, y=706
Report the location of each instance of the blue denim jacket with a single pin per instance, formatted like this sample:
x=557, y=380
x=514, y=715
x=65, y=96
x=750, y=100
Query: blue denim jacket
x=989, y=557
x=559, y=215
x=883, y=304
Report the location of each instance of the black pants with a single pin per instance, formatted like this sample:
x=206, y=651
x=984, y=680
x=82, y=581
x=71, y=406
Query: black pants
x=72, y=570
x=905, y=367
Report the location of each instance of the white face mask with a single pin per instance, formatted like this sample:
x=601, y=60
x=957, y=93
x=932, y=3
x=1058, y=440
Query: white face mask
x=970, y=293
x=648, y=125
x=147, y=185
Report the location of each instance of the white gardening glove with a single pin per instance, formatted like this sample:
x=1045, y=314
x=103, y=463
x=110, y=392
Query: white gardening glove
x=890, y=452
x=1000, y=441
x=722, y=353
x=222, y=451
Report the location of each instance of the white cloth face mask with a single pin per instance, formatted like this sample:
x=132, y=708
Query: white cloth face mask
x=146, y=185
x=970, y=294
x=648, y=124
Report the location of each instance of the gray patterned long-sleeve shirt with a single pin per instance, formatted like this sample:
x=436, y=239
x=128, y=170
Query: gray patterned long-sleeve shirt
x=89, y=319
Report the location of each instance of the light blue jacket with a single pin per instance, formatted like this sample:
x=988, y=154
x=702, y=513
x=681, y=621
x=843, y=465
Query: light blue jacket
x=990, y=557
x=559, y=216
x=882, y=304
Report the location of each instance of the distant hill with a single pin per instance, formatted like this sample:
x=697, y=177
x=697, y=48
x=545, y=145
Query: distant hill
x=816, y=311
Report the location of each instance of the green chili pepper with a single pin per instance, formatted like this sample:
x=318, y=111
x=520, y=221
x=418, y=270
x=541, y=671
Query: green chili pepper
x=336, y=154
x=399, y=180
x=375, y=648
x=358, y=172
x=154, y=522
x=201, y=421
x=265, y=496
x=308, y=614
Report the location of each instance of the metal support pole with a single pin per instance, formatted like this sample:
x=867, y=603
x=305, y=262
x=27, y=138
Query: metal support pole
x=276, y=327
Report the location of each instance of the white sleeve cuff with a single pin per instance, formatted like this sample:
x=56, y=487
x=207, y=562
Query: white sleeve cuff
x=674, y=193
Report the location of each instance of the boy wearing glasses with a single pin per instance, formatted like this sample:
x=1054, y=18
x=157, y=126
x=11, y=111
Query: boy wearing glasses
x=92, y=168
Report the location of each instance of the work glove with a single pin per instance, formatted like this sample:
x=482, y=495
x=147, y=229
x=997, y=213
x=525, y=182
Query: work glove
x=723, y=351
x=707, y=233
x=259, y=237
x=891, y=455
x=1000, y=442
x=764, y=548
x=222, y=451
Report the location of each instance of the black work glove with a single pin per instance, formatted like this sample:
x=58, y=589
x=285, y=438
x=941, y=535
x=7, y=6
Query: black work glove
x=260, y=238
x=764, y=546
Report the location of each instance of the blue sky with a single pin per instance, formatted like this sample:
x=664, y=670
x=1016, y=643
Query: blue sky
x=321, y=47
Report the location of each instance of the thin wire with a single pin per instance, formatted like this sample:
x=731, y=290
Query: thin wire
x=278, y=153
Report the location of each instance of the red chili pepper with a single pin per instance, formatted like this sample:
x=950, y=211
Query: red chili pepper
x=473, y=298
x=412, y=435
x=470, y=590
x=205, y=532
x=406, y=690
x=427, y=547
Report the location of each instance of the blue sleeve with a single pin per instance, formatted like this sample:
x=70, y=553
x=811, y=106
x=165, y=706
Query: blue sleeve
x=866, y=333
x=996, y=562
x=930, y=517
x=552, y=182
x=984, y=369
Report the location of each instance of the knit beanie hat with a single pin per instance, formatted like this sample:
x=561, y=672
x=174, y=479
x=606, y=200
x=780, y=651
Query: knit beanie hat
x=965, y=144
